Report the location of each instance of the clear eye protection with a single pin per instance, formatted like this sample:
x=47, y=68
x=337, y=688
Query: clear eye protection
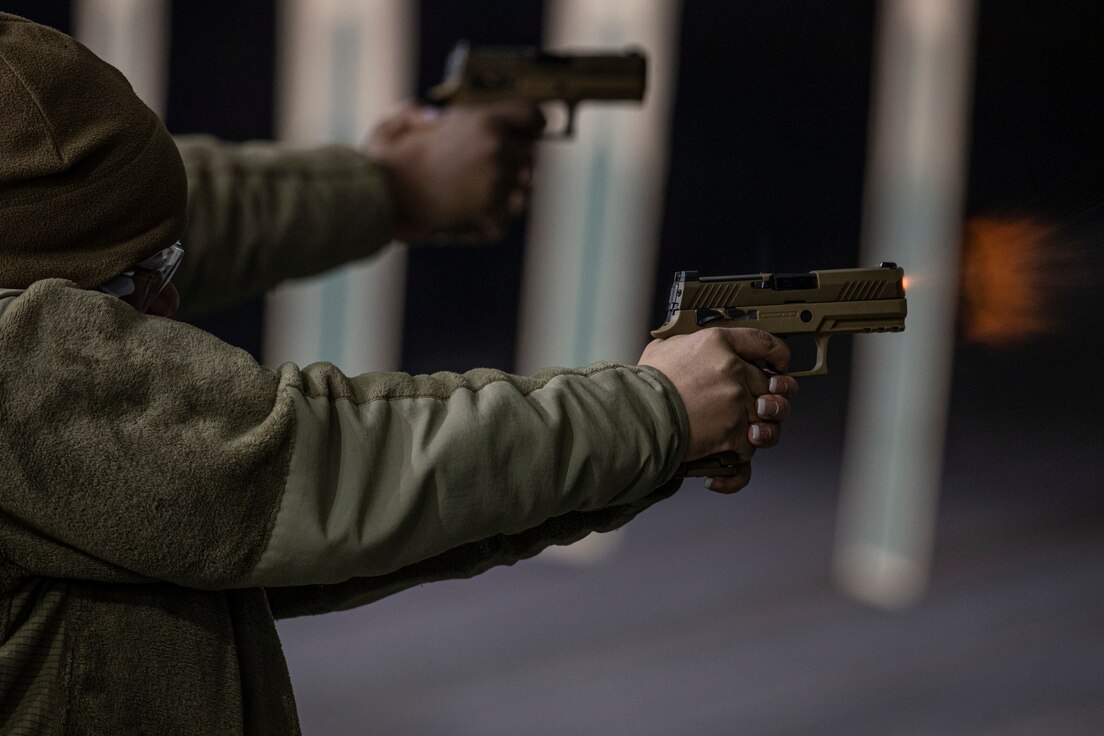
x=141, y=285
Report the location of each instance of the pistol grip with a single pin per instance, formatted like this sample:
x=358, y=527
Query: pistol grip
x=724, y=463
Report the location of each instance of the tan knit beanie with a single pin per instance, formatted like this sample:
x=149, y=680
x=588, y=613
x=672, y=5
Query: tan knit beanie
x=91, y=183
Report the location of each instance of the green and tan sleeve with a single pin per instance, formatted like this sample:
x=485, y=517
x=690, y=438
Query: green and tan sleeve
x=144, y=449
x=260, y=213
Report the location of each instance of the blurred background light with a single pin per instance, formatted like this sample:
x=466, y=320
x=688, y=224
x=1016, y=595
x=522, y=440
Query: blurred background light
x=343, y=64
x=915, y=192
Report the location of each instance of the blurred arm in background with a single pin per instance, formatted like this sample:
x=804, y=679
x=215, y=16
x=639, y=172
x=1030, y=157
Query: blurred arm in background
x=260, y=213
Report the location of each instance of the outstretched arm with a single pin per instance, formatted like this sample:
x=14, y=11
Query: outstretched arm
x=261, y=213
x=173, y=456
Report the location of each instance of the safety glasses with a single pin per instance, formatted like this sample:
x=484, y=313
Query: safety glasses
x=141, y=285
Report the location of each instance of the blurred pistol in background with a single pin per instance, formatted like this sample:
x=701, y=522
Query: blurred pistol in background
x=475, y=75
x=817, y=303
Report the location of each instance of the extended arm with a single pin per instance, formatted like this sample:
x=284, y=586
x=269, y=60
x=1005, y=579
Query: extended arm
x=259, y=214
x=172, y=456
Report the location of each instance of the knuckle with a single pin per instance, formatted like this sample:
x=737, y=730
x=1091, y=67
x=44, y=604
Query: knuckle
x=733, y=366
x=710, y=337
x=733, y=396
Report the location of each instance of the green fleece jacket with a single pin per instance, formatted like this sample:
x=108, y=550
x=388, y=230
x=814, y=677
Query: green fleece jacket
x=166, y=497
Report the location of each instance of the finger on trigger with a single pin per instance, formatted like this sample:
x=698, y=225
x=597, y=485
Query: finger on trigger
x=751, y=345
x=517, y=117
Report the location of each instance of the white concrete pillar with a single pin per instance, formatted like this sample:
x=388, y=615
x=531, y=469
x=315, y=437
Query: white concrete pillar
x=342, y=65
x=598, y=198
x=598, y=206
x=900, y=384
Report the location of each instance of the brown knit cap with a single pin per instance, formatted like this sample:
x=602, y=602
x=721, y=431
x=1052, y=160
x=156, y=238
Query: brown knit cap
x=91, y=183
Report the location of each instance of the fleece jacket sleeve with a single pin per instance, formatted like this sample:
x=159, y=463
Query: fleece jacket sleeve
x=260, y=213
x=140, y=448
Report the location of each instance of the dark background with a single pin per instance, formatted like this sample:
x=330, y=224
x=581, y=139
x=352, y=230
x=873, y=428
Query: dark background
x=719, y=615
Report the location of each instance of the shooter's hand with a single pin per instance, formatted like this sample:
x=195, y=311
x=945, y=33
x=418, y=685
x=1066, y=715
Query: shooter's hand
x=733, y=406
x=464, y=170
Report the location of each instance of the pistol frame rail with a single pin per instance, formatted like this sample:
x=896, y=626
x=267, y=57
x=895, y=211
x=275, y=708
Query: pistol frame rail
x=483, y=74
x=818, y=303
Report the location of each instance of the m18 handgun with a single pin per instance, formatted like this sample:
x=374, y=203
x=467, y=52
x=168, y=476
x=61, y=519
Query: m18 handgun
x=818, y=303
x=483, y=74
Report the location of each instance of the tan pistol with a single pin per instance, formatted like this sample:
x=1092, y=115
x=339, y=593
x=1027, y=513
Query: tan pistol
x=818, y=303
x=484, y=74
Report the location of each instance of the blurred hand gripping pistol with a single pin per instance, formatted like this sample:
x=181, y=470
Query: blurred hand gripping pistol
x=485, y=74
x=818, y=303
